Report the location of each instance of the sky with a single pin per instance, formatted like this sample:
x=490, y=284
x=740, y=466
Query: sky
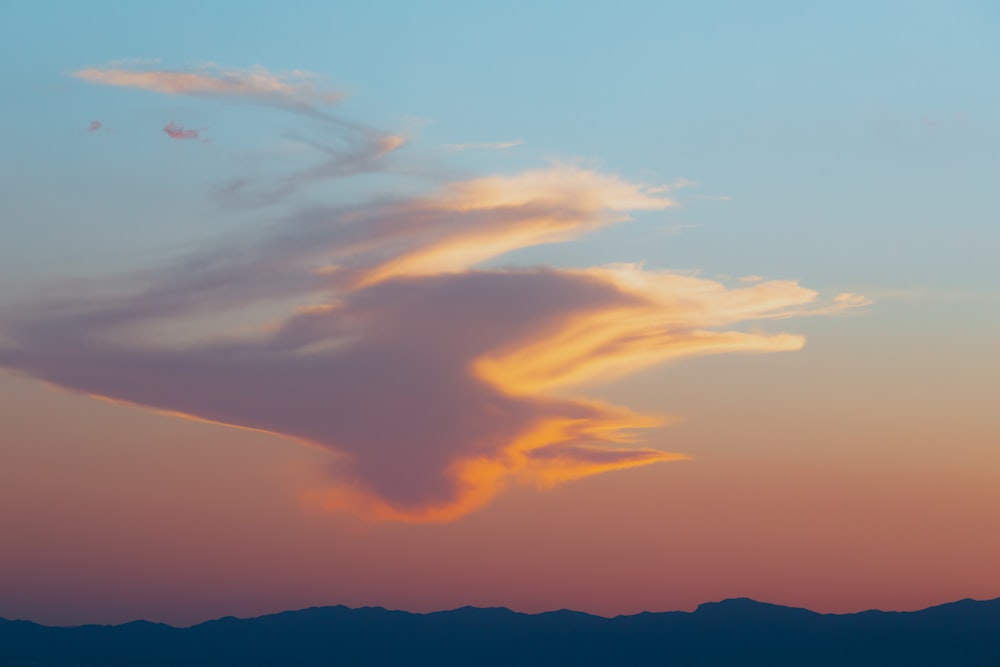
x=615, y=307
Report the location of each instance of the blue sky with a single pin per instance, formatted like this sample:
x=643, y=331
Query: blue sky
x=845, y=133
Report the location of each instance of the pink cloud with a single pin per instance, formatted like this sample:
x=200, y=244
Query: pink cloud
x=175, y=131
x=295, y=91
x=360, y=151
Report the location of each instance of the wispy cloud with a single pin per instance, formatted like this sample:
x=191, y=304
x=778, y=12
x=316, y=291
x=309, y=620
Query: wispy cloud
x=676, y=184
x=175, y=131
x=490, y=146
x=134, y=62
x=358, y=149
x=357, y=152
x=296, y=91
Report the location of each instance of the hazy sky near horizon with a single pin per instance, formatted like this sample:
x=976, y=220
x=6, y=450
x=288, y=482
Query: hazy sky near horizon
x=607, y=307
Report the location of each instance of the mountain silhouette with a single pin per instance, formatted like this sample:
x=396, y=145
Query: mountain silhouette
x=733, y=633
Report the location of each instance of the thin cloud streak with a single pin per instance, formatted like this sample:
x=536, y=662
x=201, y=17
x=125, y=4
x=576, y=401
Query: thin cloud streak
x=295, y=91
x=361, y=151
x=488, y=146
x=434, y=383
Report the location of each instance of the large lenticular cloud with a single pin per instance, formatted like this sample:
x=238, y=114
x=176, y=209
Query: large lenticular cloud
x=432, y=381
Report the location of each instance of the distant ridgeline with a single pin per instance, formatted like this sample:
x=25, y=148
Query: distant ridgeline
x=734, y=633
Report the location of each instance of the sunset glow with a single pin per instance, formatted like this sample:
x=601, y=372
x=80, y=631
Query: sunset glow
x=612, y=308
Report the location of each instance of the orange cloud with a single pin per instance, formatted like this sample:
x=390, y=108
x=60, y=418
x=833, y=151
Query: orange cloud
x=533, y=208
x=434, y=382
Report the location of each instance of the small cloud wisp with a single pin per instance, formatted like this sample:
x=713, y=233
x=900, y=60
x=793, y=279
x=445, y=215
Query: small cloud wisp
x=175, y=131
x=487, y=146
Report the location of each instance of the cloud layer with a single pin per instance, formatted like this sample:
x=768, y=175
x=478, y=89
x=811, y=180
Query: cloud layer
x=433, y=383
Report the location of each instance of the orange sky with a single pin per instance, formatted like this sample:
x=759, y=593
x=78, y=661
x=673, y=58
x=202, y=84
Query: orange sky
x=835, y=481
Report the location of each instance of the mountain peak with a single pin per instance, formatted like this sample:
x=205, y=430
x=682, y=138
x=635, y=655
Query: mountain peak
x=746, y=607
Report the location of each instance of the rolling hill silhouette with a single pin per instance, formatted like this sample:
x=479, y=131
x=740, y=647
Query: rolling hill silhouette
x=737, y=633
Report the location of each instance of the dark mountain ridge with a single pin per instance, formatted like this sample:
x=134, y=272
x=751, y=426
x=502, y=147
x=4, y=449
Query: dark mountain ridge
x=737, y=632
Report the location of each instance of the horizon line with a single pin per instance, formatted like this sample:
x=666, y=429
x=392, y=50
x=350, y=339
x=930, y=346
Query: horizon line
x=699, y=607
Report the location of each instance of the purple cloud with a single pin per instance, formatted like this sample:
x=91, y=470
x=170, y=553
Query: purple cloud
x=431, y=382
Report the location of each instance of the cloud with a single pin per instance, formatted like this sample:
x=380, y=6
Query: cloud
x=677, y=184
x=295, y=91
x=132, y=62
x=494, y=146
x=95, y=126
x=433, y=381
x=358, y=152
x=358, y=149
x=175, y=131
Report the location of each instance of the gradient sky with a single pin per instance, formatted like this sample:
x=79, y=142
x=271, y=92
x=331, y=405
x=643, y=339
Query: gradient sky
x=604, y=306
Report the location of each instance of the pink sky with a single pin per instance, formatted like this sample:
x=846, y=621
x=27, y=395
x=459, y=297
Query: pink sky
x=213, y=524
